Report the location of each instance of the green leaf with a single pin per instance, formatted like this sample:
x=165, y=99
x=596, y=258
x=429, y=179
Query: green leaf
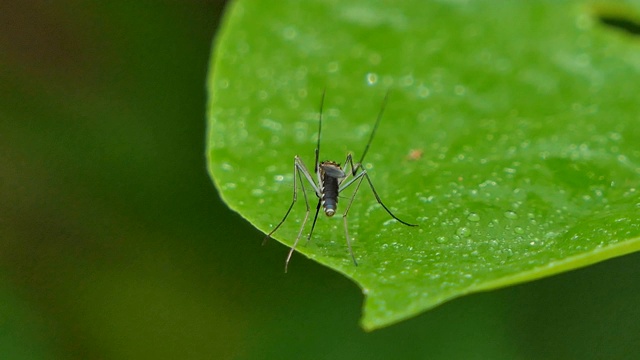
x=511, y=137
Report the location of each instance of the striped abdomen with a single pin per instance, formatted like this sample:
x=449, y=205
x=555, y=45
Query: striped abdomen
x=329, y=195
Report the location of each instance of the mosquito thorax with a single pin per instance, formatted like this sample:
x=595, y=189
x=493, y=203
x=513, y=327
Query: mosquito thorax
x=331, y=169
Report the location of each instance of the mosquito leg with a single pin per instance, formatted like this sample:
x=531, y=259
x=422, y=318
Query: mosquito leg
x=344, y=220
x=315, y=218
x=295, y=198
x=365, y=175
x=299, y=170
x=354, y=168
x=295, y=243
x=346, y=233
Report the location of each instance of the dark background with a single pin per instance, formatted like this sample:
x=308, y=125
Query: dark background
x=115, y=244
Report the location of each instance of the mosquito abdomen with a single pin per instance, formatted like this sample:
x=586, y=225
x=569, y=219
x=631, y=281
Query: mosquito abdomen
x=330, y=195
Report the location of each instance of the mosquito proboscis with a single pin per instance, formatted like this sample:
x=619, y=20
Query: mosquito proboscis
x=331, y=180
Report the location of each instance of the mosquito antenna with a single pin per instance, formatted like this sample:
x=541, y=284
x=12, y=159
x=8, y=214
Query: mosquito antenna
x=319, y=129
x=375, y=127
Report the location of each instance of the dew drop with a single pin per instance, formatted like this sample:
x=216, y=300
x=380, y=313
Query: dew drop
x=257, y=192
x=226, y=166
x=372, y=78
x=459, y=90
x=289, y=33
x=463, y=232
x=511, y=215
x=473, y=217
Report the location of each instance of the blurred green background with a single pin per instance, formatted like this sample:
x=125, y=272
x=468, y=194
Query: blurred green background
x=114, y=243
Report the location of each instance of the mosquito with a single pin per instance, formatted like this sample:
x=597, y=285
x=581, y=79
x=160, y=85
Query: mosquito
x=332, y=179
